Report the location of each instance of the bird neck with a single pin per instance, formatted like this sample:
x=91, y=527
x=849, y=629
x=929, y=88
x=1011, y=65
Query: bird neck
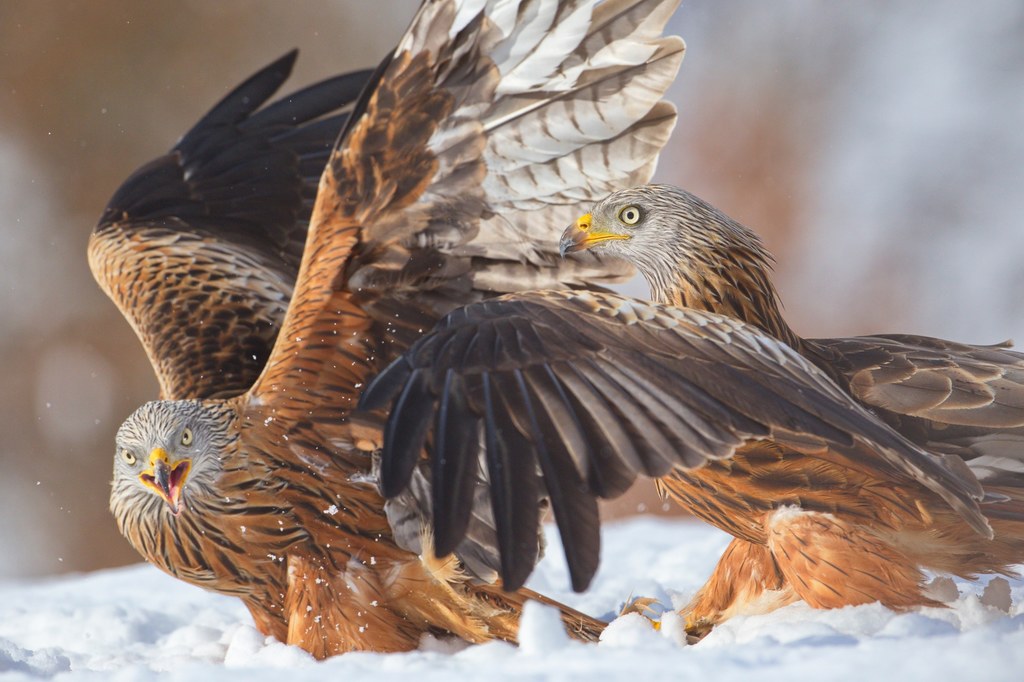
x=727, y=272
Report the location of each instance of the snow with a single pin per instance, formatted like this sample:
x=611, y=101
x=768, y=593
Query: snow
x=136, y=623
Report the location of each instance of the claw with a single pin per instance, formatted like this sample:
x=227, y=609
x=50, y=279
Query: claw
x=645, y=607
x=696, y=628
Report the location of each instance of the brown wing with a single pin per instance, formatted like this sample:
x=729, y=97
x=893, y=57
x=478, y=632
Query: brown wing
x=950, y=397
x=432, y=199
x=200, y=248
x=477, y=124
x=941, y=381
x=492, y=125
x=594, y=389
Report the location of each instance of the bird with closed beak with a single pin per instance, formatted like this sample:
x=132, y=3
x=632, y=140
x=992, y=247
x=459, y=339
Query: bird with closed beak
x=843, y=468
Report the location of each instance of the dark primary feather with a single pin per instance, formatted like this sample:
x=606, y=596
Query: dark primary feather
x=456, y=435
x=409, y=434
x=596, y=388
x=199, y=248
x=242, y=172
x=511, y=470
x=574, y=507
x=481, y=117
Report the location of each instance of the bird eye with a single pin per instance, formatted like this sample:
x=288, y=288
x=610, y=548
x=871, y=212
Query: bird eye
x=630, y=215
x=129, y=456
x=186, y=437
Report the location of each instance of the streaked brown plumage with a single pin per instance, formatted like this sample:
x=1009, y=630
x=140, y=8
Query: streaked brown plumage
x=842, y=467
x=221, y=221
x=245, y=478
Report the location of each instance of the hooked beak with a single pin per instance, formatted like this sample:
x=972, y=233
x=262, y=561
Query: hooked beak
x=166, y=480
x=581, y=236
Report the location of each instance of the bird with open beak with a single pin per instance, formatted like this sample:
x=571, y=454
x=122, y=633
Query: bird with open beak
x=166, y=478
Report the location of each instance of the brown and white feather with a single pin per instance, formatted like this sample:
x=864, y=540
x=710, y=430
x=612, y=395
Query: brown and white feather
x=420, y=208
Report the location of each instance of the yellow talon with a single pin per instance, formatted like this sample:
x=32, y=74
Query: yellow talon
x=643, y=606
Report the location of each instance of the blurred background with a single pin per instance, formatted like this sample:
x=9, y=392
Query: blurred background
x=877, y=146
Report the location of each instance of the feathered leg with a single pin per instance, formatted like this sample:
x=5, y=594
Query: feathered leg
x=476, y=612
x=330, y=612
x=746, y=581
x=831, y=563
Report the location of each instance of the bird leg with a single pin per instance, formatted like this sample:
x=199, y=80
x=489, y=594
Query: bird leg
x=647, y=608
x=478, y=612
x=331, y=612
x=746, y=581
x=831, y=563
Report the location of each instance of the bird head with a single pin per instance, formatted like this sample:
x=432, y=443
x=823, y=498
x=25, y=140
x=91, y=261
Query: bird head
x=675, y=240
x=166, y=451
x=650, y=226
x=630, y=223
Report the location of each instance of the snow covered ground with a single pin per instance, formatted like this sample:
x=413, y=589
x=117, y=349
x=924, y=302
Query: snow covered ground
x=137, y=624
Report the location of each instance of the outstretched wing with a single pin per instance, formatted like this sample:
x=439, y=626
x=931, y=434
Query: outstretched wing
x=491, y=126
x=200, y=248
x=941, y=381
x=950, y=397
x=594, y=389
x=485, y=114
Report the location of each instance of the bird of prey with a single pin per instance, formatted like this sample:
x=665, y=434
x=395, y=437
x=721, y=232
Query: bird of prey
x=270, y=273
x=841, y=467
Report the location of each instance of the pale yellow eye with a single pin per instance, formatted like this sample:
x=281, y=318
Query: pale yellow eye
x=128, y=456
x=630, y=215
x=186, y=437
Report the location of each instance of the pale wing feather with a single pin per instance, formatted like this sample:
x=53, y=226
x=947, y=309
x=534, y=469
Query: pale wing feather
x=555, y=139
x=491, y=126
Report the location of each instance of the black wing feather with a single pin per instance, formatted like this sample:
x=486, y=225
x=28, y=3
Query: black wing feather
x=511, y=468
x=219, y=223
x=594, y=389
x=603, y=451
x=574, y=507
x=456, y=438
x=406, y=431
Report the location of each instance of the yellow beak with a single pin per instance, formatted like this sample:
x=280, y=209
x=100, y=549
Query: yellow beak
x=581, y=236
x=164, y=479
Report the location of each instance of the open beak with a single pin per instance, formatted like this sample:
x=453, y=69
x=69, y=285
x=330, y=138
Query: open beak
x=581, y=236
x=166, y=479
